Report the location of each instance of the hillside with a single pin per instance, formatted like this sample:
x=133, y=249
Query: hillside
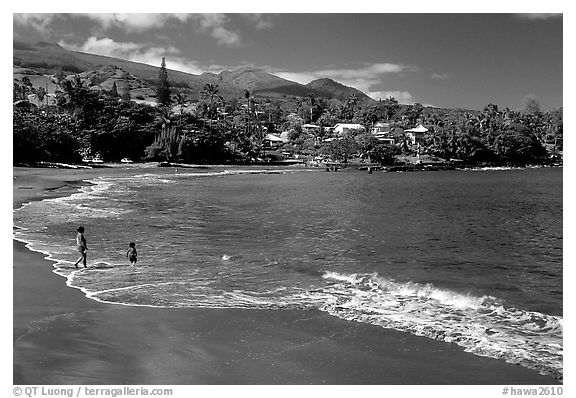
x=48, y=58
x=332, y=89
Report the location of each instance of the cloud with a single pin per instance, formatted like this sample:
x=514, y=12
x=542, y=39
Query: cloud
x=538, y=17
x=128, y=22
x=135, y=22
x=214, y=25
x=136, y=52
x=298, y=77
x=38, y=22
x=260, y=21
x=439, y=76
x=403, y=97
x=362, y=78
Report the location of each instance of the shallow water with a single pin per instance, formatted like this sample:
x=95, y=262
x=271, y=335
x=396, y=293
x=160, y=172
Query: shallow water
x=472, y=258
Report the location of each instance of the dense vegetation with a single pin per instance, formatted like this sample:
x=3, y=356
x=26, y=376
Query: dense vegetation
x=85, y=122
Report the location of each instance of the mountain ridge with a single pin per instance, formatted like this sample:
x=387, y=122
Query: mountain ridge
x=51, y=57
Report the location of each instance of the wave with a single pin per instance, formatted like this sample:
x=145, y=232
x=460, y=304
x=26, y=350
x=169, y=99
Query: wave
x=495, y=168
x=482, y=325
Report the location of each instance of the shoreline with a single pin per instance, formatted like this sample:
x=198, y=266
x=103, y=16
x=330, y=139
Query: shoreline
x=60, y=336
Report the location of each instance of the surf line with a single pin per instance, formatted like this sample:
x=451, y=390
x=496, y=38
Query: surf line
x=117, y=289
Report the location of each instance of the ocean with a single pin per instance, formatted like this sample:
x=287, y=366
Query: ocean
x=470, y=257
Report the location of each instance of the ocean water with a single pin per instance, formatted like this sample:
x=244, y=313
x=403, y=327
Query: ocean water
x=472, y=258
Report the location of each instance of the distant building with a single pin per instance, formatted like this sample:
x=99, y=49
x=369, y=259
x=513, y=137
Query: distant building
x=311, y=128
x=272, y=141
x=380, y=128
x=386, y=138
x=345, y=128
x=381, y=131
x=416, y=134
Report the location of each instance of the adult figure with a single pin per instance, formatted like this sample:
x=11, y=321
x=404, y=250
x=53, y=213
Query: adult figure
x=81, y=246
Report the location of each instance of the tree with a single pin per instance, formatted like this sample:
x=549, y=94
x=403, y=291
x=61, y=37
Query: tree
x=414, y=113
x=181, y=100
x=366, y=144
x=126, y=93
x=165, y=145
x=531, y=106
x=27, y=86
x=42, y=138
x=348, y=108
x=384, y=153
x=518, y=147
x=114, y=91
x=163, y=88
x=390, y=106
x=211, y=97
x=41, y=94
x=311, y=103
x=406, y=143
x=77, y=98
x=340, y=149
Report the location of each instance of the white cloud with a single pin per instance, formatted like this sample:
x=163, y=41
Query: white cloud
x=362, y=78
x=129, y=22
x=214, y=24
x=39, y=22
x=403, y=97
x=439, y=76
x=298, y=77
x=538, y=17
x=260, y=21
x=135, y=22
x=136, y=52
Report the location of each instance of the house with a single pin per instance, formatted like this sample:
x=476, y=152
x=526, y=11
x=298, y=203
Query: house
x=391, y=137
x=311, y=128
x=272, y=141
x=346, y=128
x=416, y=134
x=386, y=138
x=380, y=128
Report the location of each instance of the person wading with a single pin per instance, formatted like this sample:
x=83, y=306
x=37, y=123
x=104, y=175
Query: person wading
x=81, y=246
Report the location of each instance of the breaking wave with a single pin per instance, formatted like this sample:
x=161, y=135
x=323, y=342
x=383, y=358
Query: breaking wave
x=482, y=325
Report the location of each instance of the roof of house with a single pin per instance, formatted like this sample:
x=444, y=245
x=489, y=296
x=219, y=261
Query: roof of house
x=350, y=126
x=417, y=129
x=272, y=137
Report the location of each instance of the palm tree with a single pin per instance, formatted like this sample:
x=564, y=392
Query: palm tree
x=249, y=97
x=351, y=103
x=210, y=94
x=75, y=94
x=312, y=103
x=405, y=143
x=181, y=100
x=390, y=107
x=164, y=117
x=41, y=94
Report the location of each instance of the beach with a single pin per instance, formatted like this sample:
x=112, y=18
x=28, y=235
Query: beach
x=63, y=337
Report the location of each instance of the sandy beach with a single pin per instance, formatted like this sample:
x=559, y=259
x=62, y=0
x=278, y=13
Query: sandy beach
x=62, y=337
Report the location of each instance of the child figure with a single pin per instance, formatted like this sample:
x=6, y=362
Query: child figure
x=131, y=253
x=81, y=246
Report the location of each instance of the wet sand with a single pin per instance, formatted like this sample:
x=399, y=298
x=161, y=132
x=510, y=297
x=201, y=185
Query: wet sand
x=62, y=337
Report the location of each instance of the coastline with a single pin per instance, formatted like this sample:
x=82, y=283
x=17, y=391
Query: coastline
x=62, y=337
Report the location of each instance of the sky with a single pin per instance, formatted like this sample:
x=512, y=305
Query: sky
x=464, y=60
